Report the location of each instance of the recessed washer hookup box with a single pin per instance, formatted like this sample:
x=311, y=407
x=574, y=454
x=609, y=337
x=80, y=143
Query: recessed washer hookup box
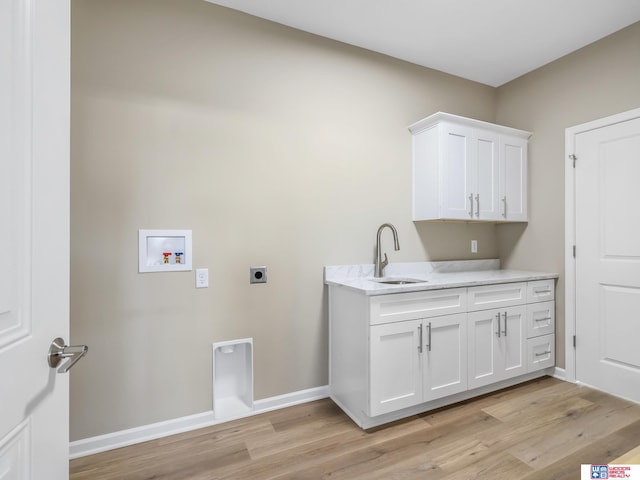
x=164, y=251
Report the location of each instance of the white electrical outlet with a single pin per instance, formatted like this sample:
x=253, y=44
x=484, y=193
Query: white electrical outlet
x=202, y=277
x=474, y=246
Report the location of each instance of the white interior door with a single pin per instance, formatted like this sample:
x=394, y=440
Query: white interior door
x=607, y=265
x=34, y=236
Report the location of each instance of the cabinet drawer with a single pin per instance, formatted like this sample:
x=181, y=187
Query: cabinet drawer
x=541, y=352
x=541, y=291
x=496, y=296
x=541, y=319
x=409, y=306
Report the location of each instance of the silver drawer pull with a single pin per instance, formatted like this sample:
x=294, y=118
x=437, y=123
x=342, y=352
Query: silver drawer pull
x=498, y=317
x=420, y=338
x=471, y=205
x=541, y=319
x=429, y=337
x=543, y=353
x=505, y=324
x=546, y=290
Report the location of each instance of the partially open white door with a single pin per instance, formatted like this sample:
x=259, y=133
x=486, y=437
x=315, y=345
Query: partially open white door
x=34, y=236
x=607, y=263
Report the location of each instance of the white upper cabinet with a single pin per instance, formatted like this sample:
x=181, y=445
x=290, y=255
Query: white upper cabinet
x=465, y=169
x=513, y=179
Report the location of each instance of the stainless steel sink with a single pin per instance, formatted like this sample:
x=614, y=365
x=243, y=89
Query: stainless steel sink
x=397, y=281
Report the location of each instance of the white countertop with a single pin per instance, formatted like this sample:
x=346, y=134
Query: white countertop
x=433, y=276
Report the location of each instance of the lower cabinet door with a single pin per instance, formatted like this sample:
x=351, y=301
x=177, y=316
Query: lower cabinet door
x=395, y=372
x=513, y=345
x=497, y=345
x=484, y=358
x=444, y=353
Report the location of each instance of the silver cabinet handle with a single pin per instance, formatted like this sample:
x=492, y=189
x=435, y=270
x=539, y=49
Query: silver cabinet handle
x=420, y=338
x=545, y=290
x=504, y=207
x=505, y=324
x=429, y=337
x=58, y=351
x=478, y=205
x=541, y=319
x=471, y=205
x=498, y=332
x=543, y=353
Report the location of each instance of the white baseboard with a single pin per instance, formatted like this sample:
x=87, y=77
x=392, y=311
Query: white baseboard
x=290, y=399
x=123, y=438
x=559, y=373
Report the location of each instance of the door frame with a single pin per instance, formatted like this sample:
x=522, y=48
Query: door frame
x=570, y=229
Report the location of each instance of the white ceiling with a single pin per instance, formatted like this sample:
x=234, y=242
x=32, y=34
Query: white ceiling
x=488, y=41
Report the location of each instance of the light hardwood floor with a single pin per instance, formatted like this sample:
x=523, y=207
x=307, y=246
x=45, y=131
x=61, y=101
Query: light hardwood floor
x=541, y=430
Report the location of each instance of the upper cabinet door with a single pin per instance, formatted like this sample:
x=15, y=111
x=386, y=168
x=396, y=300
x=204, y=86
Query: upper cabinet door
x=485, y=156
x=458, y=172
x=513, y=179
x=468, y=164
x=465, y=169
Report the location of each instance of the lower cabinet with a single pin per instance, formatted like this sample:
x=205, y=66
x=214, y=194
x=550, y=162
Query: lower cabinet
x=416, y=361
x=395, y=366
x=540, y=352
x=390, y=354
x=444, y=355
x=497, y=345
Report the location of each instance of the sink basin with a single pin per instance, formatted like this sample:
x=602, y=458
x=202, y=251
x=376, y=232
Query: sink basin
x=397, y=281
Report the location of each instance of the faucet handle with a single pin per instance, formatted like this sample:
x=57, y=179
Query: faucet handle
x=384, y=262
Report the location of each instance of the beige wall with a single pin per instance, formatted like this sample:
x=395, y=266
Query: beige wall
x=599, y=80
x=276, y=148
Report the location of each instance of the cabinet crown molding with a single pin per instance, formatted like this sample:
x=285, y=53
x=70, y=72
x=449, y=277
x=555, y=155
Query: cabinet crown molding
x=439, y=117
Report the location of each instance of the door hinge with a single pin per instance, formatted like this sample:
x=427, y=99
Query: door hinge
x=574, y=341
x=574, y=158
x=574, y=251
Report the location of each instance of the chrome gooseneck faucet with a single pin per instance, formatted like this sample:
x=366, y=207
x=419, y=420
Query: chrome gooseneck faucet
x=380, y=264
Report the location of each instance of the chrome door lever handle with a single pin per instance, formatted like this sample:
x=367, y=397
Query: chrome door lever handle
x=58, y=351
